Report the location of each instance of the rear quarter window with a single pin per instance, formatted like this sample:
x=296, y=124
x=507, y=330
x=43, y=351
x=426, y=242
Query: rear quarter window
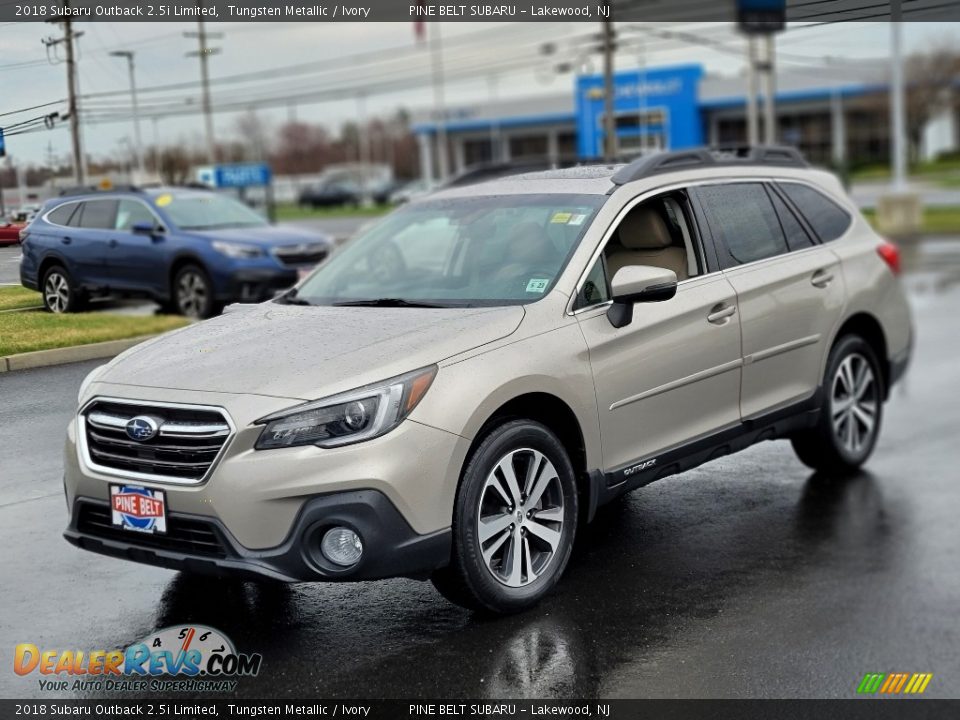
x=827, y=219
x=62, y=214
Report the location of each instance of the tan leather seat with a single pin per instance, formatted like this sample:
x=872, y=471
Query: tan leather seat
x=646, y=241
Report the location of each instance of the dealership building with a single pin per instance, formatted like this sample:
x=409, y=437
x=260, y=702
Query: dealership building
x=836, y=117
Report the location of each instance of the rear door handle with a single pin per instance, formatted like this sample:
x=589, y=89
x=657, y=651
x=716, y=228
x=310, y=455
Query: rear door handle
x=821, y=278
x=65, y=240
x=719, y=314
x=112, y=243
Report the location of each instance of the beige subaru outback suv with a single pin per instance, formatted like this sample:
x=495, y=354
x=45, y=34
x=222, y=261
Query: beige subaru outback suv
x=459, y=388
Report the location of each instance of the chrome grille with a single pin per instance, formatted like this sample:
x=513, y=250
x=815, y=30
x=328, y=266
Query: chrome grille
x=309, y=254
x=188, y=440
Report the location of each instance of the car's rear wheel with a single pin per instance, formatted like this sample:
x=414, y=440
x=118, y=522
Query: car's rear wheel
x=60, y=293
x=852, y=408
x=514, y=520
x=193, y=293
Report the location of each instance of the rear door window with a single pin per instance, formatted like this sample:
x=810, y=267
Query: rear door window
x=743, y=222
x=98, y=214
x=827, y=219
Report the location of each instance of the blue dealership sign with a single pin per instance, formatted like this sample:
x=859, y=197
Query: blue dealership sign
x=3, y=144
x=239, y=175
x=660, y=103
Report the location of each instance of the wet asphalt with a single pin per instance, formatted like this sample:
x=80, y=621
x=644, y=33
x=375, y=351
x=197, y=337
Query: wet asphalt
x=748, y=577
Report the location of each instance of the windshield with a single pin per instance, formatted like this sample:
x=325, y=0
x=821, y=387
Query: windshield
x=207, y=211
x=493, y=250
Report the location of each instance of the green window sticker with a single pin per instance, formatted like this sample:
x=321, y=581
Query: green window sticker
x=537, y=285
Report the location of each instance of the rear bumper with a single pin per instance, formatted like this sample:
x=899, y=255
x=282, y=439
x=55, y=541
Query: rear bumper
x=900, y=362
x=202, y=544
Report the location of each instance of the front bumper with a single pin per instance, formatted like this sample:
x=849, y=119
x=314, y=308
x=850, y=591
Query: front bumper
x=260, y=508
x=202, y=544
x=256, y=285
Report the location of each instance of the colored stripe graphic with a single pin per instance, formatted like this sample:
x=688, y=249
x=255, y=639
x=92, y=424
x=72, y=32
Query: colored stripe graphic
x=894, y=683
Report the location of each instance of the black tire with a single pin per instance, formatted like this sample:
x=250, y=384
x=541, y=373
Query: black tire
x=191, y=293
x=831, y=446
x=60, y=292
x=472, y=582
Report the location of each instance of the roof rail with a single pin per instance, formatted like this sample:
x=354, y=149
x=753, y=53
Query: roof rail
x=720, y=156
x=92, y=190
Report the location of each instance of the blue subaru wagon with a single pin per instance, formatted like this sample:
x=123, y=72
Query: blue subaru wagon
x=191, y=250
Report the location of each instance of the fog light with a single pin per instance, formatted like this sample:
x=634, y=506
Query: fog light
x=341, y=546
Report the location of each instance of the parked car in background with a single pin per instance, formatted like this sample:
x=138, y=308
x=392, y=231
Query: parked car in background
x=409, y=191
x=10, y=232
x=331, y=194
x=191, y=250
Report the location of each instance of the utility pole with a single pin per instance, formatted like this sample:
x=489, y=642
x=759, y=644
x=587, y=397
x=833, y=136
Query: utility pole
x=138, y=142
x=439, y=111
x=69, y=36
x=769, y=81
x=897, y=105
x=609, y=121
x=753, y=120
x=204, y=52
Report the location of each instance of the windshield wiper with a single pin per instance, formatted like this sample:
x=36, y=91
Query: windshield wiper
x=290, y=298
x=387, y=302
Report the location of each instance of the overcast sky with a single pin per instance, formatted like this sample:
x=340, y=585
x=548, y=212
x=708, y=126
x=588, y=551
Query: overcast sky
x=27, y=78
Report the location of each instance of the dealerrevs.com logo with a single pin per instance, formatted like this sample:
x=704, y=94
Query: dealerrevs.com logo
x=894, y=683
x=182, y=657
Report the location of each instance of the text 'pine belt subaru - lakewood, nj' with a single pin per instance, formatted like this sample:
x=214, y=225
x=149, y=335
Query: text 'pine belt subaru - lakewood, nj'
x=460, y=387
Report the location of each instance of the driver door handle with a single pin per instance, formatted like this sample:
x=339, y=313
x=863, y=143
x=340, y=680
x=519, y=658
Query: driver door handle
x=821, y=278
x=112, y=243
x=719, y=314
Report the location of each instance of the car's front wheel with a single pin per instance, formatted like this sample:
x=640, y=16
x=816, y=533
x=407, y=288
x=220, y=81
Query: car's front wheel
x=852, y=408
x=514, y=520
x=60, y=294
x=193, y=293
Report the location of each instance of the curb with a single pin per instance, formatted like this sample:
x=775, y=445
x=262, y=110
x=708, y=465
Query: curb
x=62, y=356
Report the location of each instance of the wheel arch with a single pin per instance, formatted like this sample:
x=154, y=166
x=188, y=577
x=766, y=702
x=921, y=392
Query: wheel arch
x=866, y=326
x=556, y=415
x=178, y=262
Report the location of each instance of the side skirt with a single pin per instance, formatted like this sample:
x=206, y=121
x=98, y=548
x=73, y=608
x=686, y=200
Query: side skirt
x=607, y=486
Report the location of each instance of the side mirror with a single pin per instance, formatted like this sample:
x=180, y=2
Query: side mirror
x=638, y=283
x=145, y=228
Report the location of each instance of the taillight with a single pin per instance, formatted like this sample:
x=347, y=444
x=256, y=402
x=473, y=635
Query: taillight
x=890, y=254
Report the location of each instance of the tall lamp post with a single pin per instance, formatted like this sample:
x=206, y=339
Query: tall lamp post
x=137, y=142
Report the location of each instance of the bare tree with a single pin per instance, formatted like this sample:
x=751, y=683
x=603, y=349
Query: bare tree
x=931, y=78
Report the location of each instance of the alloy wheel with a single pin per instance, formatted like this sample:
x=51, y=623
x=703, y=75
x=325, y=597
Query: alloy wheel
x=192, y=294
x=56, y=292
x=520, y=518
x=854, y=401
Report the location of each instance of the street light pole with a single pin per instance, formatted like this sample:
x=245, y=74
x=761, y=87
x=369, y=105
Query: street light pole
x=137, y=140
x=609, y=121
x=897, y=112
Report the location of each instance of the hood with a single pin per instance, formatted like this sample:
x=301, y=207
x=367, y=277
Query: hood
x=307, y=352
x=265, y=236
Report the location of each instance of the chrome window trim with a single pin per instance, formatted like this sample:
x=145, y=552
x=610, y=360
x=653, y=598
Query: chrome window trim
x=45, y=217
x=661, y=189
x=87, y=462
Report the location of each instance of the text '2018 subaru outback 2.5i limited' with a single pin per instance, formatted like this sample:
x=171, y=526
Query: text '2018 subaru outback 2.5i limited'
x=460, y=387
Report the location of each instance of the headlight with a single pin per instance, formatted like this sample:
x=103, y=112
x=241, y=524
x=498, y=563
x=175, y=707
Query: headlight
x=350, y=417
x=91, y=376
x=236, y=250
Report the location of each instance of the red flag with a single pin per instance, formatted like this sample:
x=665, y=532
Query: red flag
x=419, y=26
